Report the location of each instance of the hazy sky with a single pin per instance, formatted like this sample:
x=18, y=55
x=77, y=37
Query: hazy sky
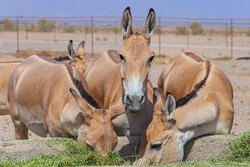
x=170, y=8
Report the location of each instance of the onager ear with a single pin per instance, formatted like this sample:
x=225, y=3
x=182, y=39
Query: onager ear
x=157, y=96
x=116, y=111
x=150, y=24
x=71, y=52
x=114, y=55
x=126, y=23
x=80, y=49
x=84, y=106
x=169, y=108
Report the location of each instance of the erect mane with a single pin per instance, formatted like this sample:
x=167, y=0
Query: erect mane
x=193, y=93
x=78, y=84
x=65, y=58
x=194, y=56
x=85, y=95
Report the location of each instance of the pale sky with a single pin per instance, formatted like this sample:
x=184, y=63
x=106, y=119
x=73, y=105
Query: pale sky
x=168, y=8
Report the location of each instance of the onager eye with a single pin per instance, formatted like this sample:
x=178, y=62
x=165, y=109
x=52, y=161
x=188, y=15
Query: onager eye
x=156, y=146
x=150, y=59
x=122, y=58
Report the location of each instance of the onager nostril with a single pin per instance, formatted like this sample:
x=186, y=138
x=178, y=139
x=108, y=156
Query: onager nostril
x=142, y=98
x=128, y=99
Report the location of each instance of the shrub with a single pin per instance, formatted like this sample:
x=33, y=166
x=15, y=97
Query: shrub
x=70, y=28
x=197, y=29
x=8, y=25
x=31, y=27
x=248, y=32
x=181, y=30
x=45, y=25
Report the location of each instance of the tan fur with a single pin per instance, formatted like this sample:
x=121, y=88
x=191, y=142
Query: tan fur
x=210, y=111
x=124, y=79
x=40, y=100
x=6, y=68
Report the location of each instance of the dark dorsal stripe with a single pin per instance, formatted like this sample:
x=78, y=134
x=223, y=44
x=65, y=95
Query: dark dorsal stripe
x=182, y=101
x=65, y=58
x=90, y=100
x=194, y=56
x=78, y=84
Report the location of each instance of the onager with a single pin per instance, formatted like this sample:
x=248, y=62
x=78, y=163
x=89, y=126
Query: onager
x=204, y=106
x=44, y=97
x=123, y=78
x=6, y=68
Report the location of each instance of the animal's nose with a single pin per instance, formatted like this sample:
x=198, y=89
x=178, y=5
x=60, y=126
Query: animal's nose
x=135, y=99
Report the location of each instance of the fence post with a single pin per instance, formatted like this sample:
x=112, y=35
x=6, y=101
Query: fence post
x=226, y=35
x=86, y=30
x=26, y=30
x=17, y=36
x=187, y=35
x=231, y=22
x=116, y=33
x=54, y=31
x=92, y=35
x=159, y=36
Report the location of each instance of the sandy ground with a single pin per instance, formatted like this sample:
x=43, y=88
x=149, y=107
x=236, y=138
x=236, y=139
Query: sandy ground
x=171, y=45
x=238, y=72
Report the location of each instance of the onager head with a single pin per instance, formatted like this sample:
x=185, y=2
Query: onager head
x=135, y=58
x=96, y=128
x=164, y=144
x=78, y=60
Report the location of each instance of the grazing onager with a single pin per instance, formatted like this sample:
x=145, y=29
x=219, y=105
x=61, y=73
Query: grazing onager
x=44, y=97
x=204, y=106
x=6, y=68
x=123, y=78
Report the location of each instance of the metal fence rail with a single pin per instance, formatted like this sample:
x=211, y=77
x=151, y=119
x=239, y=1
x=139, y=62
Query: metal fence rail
x=207, y=36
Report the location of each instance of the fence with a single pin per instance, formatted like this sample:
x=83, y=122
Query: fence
x=208, y=37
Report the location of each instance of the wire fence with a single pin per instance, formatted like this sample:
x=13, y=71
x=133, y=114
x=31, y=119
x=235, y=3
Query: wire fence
x=208, y=37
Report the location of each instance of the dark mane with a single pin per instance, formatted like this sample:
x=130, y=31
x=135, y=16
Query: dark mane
x=65, y=58
x=193, y=93
x=78, y=84
x=194, y=56
x=90, y=100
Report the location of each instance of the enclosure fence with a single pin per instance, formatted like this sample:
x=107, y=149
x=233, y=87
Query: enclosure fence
x=209, y=37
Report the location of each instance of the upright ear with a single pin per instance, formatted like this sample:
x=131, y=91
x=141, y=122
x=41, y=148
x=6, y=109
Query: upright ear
x=150, y=24
x=71, y=52
x=157, y=96
x=114, y=55
x=80, y=49
x=116, y=111
x=169, y=107
x=126, y=23
x=84, y=106
x=157, y=102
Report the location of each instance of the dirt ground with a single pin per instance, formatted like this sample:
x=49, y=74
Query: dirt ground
x=238, y=72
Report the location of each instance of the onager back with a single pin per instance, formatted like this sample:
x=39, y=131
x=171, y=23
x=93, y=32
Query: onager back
x=123, y=78
x=77, y=60
x=204, y=106
x=44, y=98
